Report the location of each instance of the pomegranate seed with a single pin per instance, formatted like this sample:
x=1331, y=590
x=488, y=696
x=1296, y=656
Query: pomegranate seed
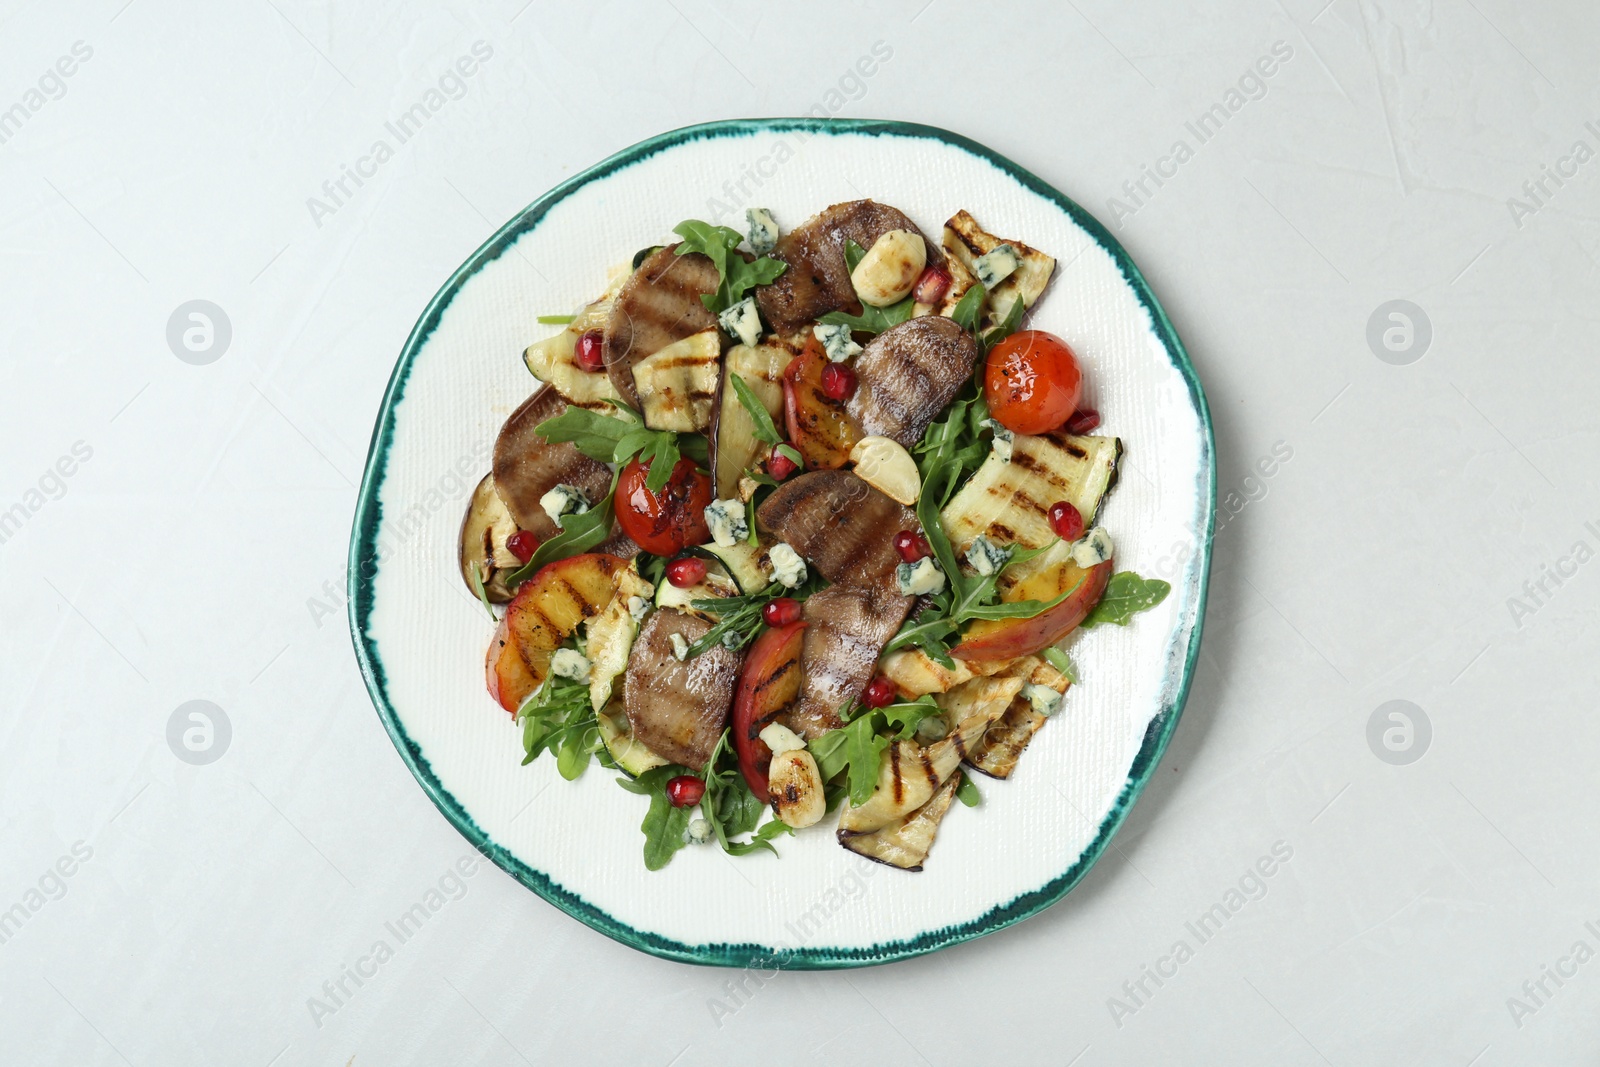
x=781, y=612
x=589, y=351
x=911, y=546
x=838, y=381
x=685, y=790
x=932, y=286
x=1083, y=420
x=523, y=545
x=780, y=466
x=880, y=693
x=1066, y=521
x=686, y=572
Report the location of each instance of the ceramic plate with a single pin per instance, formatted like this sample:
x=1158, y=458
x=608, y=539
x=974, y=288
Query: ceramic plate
x=420, y=637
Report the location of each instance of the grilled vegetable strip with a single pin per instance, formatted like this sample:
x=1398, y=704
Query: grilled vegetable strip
x=527, y=466
x=905, y=842
x=997, y=751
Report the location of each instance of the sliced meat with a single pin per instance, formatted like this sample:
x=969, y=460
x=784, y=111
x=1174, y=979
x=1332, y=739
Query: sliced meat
x=526, y=466
x=907, y=374
x=840, y=525
x=660, y=304
x=848, y=627
x=817, y=281
x=678, y=709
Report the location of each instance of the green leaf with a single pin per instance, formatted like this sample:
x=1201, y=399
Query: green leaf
x=1006, y=327
x=731, y=808
x=1126, y=595
x=582, y=531
x=558, y=718
x=664, y=826
x=477, y=587
x=967, y=309
x=790, y=453
x=765, y=430
x=856, y=748
x=663, y=458
x=1062, y=662
x=555, y=320
x=853, y=255
x=739, y=615
x=594, y=435
x=871, y=319
x=967, y=792
x=735, y=274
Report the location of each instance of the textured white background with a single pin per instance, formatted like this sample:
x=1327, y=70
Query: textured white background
x=184, y=560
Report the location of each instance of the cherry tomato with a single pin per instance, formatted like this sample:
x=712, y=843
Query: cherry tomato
x=664, y=522
x=685, y=790
x=1032, y=382
x=686, y=572
x=523, y=545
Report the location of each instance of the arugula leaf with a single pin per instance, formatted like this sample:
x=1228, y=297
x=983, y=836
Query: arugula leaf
x=1062, y=662
x=871, y=319
x=853, y=255
x=736, y=276
x=966, y=311
x=555, y=320
x=967, y=791
x=477, y=587
x=583, y=531
x=1126, y=595
x=856, y=748
x=591, y=433
x=665, y=827
x=764, y=428
x=739, y=616
x=558, y=718
x=731, y=808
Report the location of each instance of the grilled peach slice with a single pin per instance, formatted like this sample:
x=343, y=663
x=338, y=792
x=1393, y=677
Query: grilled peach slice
x=545, y=612
x=768, y=683
x=818, y=425
x=992, y=639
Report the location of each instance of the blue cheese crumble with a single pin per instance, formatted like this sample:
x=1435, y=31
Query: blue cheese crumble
x=698, y=832
x=566, y=663
x=1094, y=548
x=742, y=321
x=563, y=500
x=762, y=231
x=1045, y=701
x=680, y=647
x=996, y=266
x=1004, y=439
x=836, y=342
x=986, y=557
x=727, y=522
x=788, y=569
x=919, y=578
x=637, y=606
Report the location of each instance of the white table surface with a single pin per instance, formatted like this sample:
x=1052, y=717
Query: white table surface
x=197, y=553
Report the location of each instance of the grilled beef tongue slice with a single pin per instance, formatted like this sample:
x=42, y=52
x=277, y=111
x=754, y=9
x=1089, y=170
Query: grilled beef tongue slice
x=847, y=629
x=526, y=466
x=840, y=525
x=907, y=374
x=678, y=709
x=817, y=281
x=656, y=307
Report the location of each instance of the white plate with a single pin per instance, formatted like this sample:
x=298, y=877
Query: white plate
x=420, y=637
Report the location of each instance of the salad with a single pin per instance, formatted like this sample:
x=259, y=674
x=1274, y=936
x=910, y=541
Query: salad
x=796, y=523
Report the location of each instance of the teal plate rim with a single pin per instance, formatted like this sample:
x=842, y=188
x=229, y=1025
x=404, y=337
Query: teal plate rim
x=363, y=559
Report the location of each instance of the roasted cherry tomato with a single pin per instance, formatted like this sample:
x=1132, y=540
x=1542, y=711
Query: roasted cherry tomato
x=1032, y=382
x=664, y=522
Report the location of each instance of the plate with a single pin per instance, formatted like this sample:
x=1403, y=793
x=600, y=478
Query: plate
x=420, y=636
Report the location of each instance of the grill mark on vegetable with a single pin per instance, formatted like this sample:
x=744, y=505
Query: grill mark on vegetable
x=908, y=374
x=897, y=786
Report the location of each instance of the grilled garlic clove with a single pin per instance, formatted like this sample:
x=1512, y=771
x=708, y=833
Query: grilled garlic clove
x=794, y=786
x=886, y=466
x=890, y=268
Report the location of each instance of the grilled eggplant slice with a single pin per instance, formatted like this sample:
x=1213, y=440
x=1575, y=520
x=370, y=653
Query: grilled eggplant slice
x=847, y=627
x=482, y=549
x=678, y=708
x=659, y=305
x=907, y=375
x=1009, y=502
x=677, y=385
x=910, y=774
x=526, y=466
x=841, y=525
x=965, y=241
x=905, y=842
x=817, y=280
x=735, y=447
x=997, y=751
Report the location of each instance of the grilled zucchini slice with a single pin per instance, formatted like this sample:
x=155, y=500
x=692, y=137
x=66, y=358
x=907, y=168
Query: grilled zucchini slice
x=632, y=757
x=997, y=751
x=678, y=385
x=1009, y=501
x=716, y=585
x=736, y=447
x=554, y=360
x=746, y=563
x=964, y=240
